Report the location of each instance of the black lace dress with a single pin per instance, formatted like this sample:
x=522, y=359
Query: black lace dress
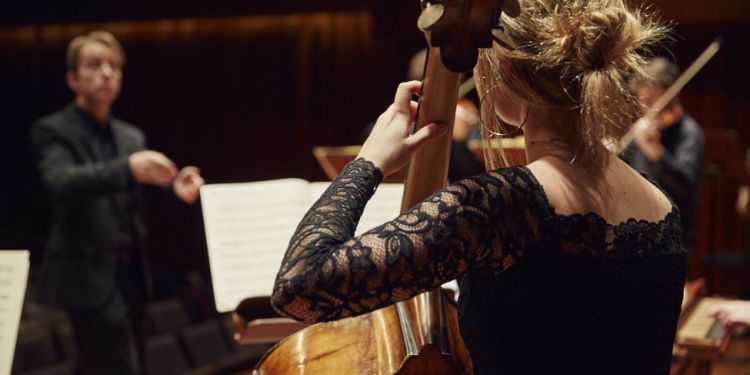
x=541, y=293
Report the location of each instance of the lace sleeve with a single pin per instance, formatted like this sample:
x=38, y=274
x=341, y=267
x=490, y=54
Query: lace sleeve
x=327, y=274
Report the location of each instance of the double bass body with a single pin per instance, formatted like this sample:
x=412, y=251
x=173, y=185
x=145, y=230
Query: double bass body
x=367, y=344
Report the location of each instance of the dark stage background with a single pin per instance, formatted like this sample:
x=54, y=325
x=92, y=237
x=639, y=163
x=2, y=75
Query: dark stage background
x=245, y=89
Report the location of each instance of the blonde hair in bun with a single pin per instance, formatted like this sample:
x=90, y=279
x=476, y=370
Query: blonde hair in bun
x=574, y=57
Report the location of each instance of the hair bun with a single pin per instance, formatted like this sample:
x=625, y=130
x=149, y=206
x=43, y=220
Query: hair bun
x=604, y=38
x=577, y=56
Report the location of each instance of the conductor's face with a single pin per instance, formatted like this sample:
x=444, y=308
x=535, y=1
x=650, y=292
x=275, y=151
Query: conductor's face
x=98, y=77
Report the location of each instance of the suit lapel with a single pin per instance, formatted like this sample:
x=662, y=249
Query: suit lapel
x=89, y=140
x=123, y=145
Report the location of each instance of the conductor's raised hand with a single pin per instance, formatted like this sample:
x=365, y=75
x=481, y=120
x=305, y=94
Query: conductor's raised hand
x=187, y=183
x=389, y=145
x=152, y=167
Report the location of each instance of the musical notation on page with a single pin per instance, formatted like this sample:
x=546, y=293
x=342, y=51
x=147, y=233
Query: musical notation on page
x=248, y=227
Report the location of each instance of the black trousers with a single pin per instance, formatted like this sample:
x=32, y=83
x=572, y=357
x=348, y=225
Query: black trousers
x=110, y=338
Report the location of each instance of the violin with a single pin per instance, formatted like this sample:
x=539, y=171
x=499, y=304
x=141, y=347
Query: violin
x=668, y=116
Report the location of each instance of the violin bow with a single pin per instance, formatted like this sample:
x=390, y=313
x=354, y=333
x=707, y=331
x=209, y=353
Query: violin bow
x=672, y=91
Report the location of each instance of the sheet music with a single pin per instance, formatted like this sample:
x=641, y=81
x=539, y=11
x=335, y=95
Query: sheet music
x=248, y=227
x=384, y=205
x=14, y=270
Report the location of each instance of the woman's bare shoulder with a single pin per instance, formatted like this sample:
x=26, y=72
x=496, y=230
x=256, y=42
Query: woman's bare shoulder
x=616, y=193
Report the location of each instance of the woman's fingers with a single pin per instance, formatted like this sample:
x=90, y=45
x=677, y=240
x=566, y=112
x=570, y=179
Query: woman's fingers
x=425, y=134
x=414, y=105
x=402, y=101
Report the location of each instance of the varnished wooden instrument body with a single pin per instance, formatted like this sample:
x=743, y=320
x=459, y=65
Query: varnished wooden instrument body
x=368, y=344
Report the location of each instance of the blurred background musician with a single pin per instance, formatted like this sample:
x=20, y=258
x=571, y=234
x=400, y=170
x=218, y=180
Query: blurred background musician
x=94, y=168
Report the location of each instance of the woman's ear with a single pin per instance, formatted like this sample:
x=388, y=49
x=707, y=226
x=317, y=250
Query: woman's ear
x=509, y=107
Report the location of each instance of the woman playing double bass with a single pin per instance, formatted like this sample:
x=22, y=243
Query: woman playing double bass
x=571, y=264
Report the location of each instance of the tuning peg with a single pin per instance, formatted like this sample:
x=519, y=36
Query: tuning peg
x=432, y=12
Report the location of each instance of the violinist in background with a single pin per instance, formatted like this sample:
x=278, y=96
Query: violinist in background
x=670, y=148
x=572, y=264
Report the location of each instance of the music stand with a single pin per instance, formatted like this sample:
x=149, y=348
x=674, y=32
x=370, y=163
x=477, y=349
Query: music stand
x=255, y=322
x=333, y=159
x=513, y=148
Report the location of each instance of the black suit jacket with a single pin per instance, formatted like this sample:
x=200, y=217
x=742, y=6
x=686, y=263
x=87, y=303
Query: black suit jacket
x=90, y=197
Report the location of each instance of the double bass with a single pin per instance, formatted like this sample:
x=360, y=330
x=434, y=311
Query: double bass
x=419, y=335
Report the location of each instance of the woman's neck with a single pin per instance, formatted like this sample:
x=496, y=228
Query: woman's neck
x=549, y=136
